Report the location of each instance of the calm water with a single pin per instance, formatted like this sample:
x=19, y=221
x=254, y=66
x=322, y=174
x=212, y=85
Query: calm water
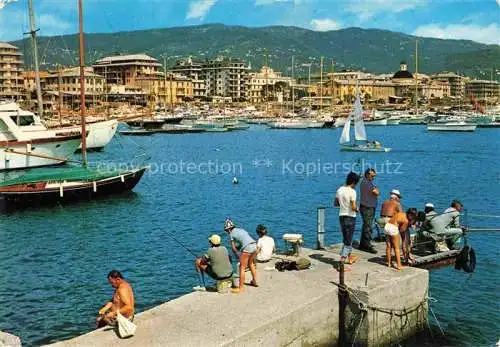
x=54, y=261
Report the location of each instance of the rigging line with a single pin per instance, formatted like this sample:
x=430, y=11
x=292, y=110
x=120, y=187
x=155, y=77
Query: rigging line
x=437, y=321
x=484, y=215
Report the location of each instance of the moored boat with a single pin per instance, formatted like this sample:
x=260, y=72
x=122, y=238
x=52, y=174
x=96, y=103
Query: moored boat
x=26, y=143
x=51, y=186
x=452, y=126
x=62, y=185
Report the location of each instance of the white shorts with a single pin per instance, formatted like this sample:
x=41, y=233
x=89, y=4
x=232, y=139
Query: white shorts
x=391, y=229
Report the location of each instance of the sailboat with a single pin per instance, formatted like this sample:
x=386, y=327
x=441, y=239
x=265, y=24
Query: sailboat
x=59, y=185
x=360, y=143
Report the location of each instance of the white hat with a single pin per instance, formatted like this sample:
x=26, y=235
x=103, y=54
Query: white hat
x=396, y=192
x=429, y=204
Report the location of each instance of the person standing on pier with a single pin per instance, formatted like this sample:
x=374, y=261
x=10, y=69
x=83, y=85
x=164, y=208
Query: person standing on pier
x=245, y=245
x=345, y=199
x=123, y=301
x=368, y=204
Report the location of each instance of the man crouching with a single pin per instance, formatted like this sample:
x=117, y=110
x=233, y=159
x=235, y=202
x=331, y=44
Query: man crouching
x=123, y=301
x=216, y=262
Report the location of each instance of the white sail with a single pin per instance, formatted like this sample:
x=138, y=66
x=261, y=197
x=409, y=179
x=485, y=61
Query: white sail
x=359, y=126
x=345, y=137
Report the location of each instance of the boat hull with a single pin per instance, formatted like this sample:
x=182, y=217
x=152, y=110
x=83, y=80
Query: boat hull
x=286, y=125
x=380, y=122
x=452, y=127
x=100, y=134
x=11, y=200
x=37, y=154
x=351, y=148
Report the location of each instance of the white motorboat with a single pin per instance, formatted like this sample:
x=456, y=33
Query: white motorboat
x=375, y=122
x=360, y=143
x=25, y=142
x=100, y=133
x=290, y=123
x=451, y=126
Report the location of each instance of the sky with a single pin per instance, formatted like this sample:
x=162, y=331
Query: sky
x=477, y=20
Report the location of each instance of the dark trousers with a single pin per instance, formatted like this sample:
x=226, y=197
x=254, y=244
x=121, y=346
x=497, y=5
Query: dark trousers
x=367, y=213
x=347, y=226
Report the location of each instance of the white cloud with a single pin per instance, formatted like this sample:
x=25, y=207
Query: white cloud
x=325, y=24
x=199, y=8
x=52, y=25
x=485, y=34
x=4, y=3
x=367, y=9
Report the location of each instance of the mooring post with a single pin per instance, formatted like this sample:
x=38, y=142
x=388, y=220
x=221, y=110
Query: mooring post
x=342, y=305
x=320, y=228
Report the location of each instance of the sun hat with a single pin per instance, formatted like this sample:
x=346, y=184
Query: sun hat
x=228, y=224
x=214, y=239
x=396, y=192
x=429, y=204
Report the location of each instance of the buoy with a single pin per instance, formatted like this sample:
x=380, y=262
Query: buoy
x=235, y=180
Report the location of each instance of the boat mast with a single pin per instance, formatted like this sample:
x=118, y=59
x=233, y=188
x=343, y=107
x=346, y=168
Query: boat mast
x=34, y=49
x=416, y=78
x=266, y=72
x=82, y=84
x=321, y=86
x=165, y=81
x=331, y=85
x=309, y=87
x=59, y=93
x=293, y=86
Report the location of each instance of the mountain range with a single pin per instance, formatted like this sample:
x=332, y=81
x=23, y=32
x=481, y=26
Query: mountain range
x=371, y=50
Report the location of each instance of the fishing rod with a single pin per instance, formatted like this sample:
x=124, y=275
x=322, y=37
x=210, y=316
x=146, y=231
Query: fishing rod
x=201, y=276
x=181, y=244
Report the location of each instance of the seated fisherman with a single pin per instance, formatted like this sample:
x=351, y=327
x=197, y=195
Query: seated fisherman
x=446, y=226
x=265, y=245
x=216, y=262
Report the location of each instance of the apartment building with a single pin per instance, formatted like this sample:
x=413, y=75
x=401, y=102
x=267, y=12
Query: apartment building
x=265, y=80
x=11, y=69
x=126, y=69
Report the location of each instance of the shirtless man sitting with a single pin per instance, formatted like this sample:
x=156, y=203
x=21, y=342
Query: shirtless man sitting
x=123, y=300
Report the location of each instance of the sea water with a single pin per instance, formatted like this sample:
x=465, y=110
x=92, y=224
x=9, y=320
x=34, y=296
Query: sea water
x=54, y=261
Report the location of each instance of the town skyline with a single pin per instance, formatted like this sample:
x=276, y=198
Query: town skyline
x=470, y=20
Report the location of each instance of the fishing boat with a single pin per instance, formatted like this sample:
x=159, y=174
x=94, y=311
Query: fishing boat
x=427, y=255
x=74, y=183
x=360, y=143
x=460, y=126
x=26, y=143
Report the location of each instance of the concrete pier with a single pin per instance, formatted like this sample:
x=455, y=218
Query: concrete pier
x=291, y=308
x=9, y=340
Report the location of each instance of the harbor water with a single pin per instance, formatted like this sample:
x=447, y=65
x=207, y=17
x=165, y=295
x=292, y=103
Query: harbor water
x=54, y=261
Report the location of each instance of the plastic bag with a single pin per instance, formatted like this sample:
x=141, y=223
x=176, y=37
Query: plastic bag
x=125, y=327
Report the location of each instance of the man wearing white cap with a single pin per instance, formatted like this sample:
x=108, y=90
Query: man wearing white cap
x=392, y=205
x=216, y=262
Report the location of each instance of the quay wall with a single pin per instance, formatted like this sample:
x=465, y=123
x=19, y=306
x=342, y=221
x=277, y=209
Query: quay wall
x=291, y=308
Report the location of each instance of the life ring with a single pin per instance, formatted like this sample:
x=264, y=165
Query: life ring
x=466, y=260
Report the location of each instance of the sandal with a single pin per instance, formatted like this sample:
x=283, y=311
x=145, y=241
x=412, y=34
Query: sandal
x=253, y=284
x=352, y=259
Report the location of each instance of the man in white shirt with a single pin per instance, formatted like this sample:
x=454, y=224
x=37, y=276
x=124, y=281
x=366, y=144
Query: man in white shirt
x=265, y=245
x=345, y=199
